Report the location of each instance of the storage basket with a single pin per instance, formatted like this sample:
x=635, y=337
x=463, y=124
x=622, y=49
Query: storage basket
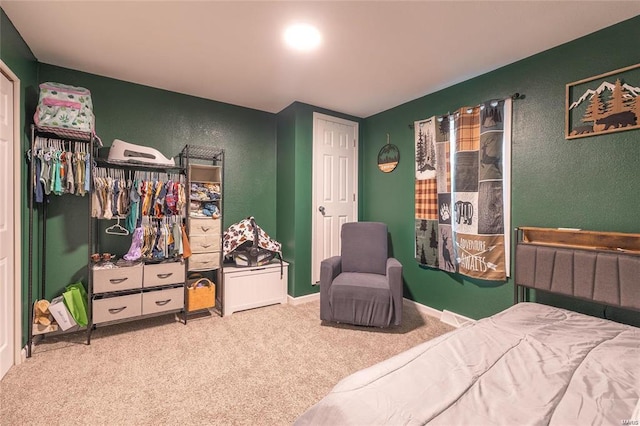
x=201, y=294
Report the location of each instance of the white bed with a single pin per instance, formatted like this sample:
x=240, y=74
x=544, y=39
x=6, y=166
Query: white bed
x=531, y=364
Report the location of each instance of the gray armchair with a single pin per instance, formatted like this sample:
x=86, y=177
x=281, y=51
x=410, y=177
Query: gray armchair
x=362, y=286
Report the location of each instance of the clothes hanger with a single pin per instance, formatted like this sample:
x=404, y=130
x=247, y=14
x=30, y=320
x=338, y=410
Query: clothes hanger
x=117, y=229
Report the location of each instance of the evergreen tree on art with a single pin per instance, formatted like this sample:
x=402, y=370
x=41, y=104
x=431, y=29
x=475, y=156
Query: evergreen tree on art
x=433, y=239
x=430, y=148
x=629, y=104
x=421, y=155
x=617, y=101
x=491, y=116
x=423, y=257
x=634, y=107
x=595, y=110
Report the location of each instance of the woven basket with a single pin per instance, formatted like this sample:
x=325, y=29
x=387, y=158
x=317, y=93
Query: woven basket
x=201, y=294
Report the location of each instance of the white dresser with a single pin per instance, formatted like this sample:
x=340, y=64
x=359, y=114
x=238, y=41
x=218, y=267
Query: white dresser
x=204, y=239
x=127, y=292
x=253, y=287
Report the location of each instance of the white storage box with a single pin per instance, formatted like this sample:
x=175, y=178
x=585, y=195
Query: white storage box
x=163, y=274
x=253, y=287
x=116, y=279
x=117, y=308
x=61, y=313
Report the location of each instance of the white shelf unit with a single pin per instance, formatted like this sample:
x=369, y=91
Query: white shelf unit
x=205, y=232
x=204, y=166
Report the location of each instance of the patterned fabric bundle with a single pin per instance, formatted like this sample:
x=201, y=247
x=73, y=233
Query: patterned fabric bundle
x=244, y=231
x=66, y=111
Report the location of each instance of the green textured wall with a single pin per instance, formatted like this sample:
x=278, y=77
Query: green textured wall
x=286, y=186
x=15, y=53
x=589, y=183
x=165, y=121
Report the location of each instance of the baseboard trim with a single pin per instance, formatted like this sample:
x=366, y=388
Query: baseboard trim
x=302, y=299
x=454, y=319
x=445, y=316
x=424, y=308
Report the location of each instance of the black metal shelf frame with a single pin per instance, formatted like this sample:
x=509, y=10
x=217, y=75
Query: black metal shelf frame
x=212, y=156
x=43, y=237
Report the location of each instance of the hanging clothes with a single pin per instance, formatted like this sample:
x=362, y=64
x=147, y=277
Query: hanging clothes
x=58, y=165
x=149, y=204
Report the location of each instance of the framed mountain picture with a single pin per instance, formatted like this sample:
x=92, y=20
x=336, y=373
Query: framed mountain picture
x=603, y=104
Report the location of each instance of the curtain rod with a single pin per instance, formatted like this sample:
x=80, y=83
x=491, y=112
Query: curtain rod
x=513, y=97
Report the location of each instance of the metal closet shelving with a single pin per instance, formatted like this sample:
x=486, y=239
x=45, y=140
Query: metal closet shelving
x=79, y=137
x=200, y=157
x=129, y=167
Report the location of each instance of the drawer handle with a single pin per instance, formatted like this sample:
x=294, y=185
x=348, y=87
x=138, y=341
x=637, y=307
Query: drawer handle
x=205, y=245
x=162, y=302
x=117, y=310
x=205, y=228
x=117, y=280
x=163, y=276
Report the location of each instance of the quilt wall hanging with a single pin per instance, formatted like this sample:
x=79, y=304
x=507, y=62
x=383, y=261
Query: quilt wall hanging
x=462, y=191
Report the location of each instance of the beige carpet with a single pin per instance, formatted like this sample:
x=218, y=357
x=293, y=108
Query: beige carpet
x=264, y=366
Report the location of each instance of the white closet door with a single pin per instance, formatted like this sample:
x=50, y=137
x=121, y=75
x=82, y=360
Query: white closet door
x=7, y=279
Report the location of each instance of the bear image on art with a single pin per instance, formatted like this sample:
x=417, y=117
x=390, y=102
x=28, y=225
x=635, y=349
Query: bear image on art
x=621, y=119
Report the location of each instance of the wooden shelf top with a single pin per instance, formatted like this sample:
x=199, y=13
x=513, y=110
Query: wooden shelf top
x=577, y=238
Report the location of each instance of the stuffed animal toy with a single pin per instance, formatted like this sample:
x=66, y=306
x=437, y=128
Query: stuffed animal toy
x=41, y=313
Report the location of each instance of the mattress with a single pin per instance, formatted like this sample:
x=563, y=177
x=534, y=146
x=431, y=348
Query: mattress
x=531, y=364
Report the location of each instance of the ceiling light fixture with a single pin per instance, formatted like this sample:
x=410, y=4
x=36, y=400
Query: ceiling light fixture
x=303, y=37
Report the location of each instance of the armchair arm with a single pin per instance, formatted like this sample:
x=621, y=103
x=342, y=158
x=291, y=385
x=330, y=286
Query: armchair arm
x=394, y=275
x=329, y=269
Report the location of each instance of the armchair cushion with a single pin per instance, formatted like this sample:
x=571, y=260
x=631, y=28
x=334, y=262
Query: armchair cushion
x=361, y=298
x=364, y=247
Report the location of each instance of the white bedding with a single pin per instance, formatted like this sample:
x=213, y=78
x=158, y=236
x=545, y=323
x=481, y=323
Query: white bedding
x=528, y=365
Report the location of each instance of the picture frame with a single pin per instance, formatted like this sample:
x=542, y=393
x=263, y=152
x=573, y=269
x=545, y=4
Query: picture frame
x=603, y=104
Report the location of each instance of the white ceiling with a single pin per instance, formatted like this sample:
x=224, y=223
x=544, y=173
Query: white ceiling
x=375, y=54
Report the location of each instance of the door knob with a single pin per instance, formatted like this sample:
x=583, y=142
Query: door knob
x=321, y=210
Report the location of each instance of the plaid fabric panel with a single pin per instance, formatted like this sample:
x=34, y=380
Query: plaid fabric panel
x=427, y=199
x=467, y=124
x=447, y=150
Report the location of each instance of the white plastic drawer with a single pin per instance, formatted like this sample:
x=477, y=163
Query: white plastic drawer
x=204, y=261
x=163, y=274
x=116, y=279
x=204, y=243
x=162, y=300
x=117, y=308
x=207, y=226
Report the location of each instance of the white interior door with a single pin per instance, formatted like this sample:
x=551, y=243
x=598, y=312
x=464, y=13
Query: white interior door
x=335, y=185
x=7, y=278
